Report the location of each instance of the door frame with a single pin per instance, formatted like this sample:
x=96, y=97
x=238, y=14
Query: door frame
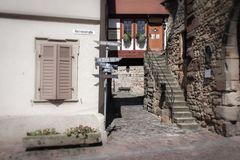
x=161, y=36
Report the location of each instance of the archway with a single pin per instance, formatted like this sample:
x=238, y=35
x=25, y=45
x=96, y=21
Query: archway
x=231, y=60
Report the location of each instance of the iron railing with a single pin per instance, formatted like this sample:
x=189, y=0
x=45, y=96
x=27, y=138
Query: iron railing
x=151, y=57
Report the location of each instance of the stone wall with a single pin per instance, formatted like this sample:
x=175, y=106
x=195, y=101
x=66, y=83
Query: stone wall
x=132, y=79
x=197, y=55
x=152, y=93
x=154, y=97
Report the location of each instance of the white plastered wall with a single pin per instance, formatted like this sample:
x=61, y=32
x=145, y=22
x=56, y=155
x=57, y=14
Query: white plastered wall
x=89, y=9
x=17, y=82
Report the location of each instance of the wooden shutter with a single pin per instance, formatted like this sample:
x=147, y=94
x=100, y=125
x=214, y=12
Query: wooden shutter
x=48, y=71
x=64, y=72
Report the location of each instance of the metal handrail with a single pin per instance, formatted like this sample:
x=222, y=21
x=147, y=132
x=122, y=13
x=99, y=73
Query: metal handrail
x=163, y=78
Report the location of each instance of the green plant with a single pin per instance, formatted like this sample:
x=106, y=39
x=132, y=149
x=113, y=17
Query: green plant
x=43, y=132
x=140, y=37
x=127, y=38
x=81, y=130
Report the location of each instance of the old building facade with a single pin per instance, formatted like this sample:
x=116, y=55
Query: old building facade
x=203, y=53
x=47, y=66
x=139, y=26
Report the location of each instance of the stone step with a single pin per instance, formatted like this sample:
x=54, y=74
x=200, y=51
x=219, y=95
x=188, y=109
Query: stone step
x=180, y=109
x=172, y=80
x=181, y=114
x=176, y=97
x=173, y=87
x=179, y=98
x=179, y=103
x=184, y=120
x=191, y=126
x=161, y=64
x=159, y=61
x=161, y=72
x=172, y=83
x=174, y=92
x=165, y=75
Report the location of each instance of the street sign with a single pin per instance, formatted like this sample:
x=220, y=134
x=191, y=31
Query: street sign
x=83, y=32
x=108, y=43
x=107, y=60
x=105, y=76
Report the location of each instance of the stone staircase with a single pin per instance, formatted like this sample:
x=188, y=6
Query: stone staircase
x=175, y=99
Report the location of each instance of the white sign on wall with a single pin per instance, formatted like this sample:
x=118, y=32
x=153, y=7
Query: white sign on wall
x=208, y=73
x=83, y=32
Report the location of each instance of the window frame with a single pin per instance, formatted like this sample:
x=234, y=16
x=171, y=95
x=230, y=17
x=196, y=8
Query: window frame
x=75, y=53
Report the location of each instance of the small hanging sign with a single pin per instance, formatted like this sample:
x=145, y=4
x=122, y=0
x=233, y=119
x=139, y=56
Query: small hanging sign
x=83, y=32
x=208, y=73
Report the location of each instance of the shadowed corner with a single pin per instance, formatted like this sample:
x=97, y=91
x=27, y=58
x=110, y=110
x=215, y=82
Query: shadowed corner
x=114, y=111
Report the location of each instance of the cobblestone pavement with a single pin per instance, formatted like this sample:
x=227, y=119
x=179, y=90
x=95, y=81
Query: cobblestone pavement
x=139, y=135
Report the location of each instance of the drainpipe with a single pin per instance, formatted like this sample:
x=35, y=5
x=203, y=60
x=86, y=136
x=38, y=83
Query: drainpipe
x=105, y=102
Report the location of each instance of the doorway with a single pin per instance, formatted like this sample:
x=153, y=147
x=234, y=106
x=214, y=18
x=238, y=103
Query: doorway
x=155, y=37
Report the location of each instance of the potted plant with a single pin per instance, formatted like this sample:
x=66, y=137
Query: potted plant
x=127, y=38
x=49, y=137
x=141, y=38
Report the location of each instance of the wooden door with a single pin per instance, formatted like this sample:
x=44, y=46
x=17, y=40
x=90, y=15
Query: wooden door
x=155, y=37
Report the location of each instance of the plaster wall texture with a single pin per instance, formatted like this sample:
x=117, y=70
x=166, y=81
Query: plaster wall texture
x=17, y=84
x=54, y=8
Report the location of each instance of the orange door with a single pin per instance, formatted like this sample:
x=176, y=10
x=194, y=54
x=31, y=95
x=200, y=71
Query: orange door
x=155, y=37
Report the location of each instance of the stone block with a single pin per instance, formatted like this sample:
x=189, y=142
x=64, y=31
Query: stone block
x=217, y=101
x=231, y=129
x=165, y=119
x=190, y=88
x=192, y=76
x=233, y=27
x=228, y=113
x=232, y=41
x=194, y=66
x=158, y=111
x=231, y=51
x=232, y=69
x=232, y=98
x=232, y=85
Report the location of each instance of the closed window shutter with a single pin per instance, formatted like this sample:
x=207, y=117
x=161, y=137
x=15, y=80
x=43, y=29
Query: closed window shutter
x=64, y=72
x=48, y=72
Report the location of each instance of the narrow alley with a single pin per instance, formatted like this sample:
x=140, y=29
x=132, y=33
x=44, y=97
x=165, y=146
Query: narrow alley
x=139, y=135
x=120, y=80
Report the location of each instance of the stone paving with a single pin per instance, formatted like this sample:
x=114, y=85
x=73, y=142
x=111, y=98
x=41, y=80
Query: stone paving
x=139, y=135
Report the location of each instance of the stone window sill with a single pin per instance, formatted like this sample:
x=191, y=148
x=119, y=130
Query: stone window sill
x=55, y=101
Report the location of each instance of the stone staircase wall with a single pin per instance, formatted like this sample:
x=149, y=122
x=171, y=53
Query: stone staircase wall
x=211, y=46
x=153, y=101
x=163, y=95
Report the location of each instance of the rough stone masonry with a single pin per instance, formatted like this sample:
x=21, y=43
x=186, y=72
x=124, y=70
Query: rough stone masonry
x=203, y=52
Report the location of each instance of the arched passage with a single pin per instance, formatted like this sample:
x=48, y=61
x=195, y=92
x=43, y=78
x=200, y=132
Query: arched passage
x=228, y=82
x=231, y=60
